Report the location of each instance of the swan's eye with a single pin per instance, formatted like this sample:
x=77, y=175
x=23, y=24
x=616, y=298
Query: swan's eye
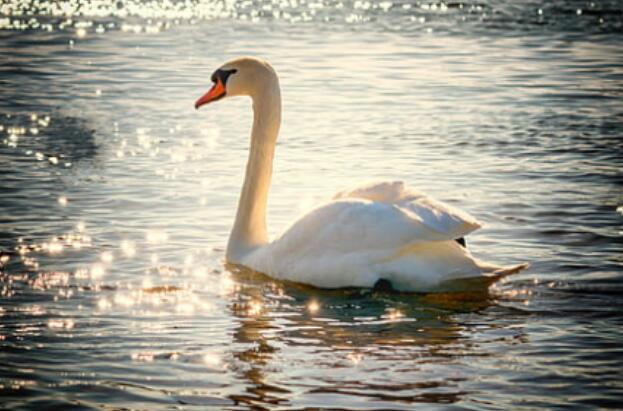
x=226, y=73
x=222, y=75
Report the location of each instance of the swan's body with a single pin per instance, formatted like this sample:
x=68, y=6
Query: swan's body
x=379, y=231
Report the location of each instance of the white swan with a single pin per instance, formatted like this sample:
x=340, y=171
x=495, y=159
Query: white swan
x=379, y=231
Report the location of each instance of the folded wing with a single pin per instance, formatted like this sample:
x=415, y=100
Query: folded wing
x=436, y=215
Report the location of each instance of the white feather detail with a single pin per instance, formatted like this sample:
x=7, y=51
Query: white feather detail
x=435, y=214
x=354, y=242
x=377, y=231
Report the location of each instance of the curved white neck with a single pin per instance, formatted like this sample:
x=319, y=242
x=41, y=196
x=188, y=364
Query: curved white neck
x=249, y=231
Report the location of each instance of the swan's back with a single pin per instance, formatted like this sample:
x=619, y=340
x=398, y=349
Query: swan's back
x=435, y=214
x=355, y=242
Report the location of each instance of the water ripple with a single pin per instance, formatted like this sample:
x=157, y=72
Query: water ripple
x=117, y=199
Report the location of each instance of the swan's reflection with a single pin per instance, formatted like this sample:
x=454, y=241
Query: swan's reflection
x=296, y=342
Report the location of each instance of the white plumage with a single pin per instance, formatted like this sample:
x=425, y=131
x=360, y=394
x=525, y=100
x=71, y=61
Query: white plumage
x=377, y=231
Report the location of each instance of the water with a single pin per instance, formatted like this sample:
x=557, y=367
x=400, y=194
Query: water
x=117, y=198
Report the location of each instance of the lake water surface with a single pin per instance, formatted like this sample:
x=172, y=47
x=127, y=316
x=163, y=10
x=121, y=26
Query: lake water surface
x=117, y=197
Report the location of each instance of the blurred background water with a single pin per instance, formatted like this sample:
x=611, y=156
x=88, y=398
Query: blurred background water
x=116, y=200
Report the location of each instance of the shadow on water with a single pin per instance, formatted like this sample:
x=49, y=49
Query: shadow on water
x=278, y=322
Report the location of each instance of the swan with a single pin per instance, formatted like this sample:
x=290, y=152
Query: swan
x=379, y=232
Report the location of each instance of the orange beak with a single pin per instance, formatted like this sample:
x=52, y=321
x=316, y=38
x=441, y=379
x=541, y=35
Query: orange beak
x=216, y=92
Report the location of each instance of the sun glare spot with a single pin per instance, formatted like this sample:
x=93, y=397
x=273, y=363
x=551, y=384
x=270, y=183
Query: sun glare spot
x=81, y=273
x=189, y=260
x=185, y=308
x=254, y=308
x=147, y=282
x=313, y=307
x=143, y=357
x=128, y=248
x=97, y=271
x=212, y=360
x=62, y=324
x=394, y=315
x=200, y=272
x=107, y=257
x=227, y=285
x=355, y=357
x=54, y=247
x=156, y=237
x=124, y=300
x=4, y=259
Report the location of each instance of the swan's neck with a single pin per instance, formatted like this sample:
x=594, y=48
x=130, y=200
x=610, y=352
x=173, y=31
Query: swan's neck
x=249, y=231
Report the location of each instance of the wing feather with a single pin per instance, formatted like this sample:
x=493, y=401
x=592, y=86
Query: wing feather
x=376, y=231
x=435, y=214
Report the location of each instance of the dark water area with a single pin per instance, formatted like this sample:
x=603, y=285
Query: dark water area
x=117, y=197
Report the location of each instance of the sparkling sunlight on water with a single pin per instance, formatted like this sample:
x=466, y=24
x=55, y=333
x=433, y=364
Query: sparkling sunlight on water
x=117, y=199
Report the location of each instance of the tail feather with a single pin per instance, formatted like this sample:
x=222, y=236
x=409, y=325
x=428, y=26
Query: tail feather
x=504, y=272
x=492, y=274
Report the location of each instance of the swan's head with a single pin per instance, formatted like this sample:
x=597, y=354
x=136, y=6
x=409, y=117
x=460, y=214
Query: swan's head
x=245, y=76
